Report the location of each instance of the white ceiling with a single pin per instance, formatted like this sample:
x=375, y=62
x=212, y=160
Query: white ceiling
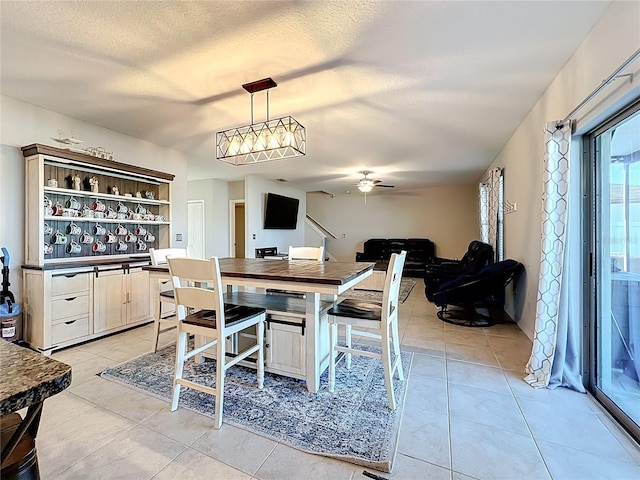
x=421, y=93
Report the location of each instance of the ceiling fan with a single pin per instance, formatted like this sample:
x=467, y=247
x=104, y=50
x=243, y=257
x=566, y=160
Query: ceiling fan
x=366, y=184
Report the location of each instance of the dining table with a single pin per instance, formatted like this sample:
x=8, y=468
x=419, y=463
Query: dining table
x=310, y=278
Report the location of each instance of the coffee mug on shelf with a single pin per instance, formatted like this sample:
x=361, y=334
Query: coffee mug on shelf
x=130, y=237
x=86, y=212
x=111, y=213
x=98, y=206
x=99, y=229
x=149, y=237
x=58, y=209
x=59, y=238
x=147, y=216
x=52, y=182
x=70, y=212
x=140, y=230
x=48, y=211
x=86, y=237
x=48, y=229
x=121, y=247
x=47, y=202
x=122, y=208
x=110, y=238
x=121, y=216
x=73, y=229
x=99, y=247
x=73, y=203
x=74, y=247
x=140, y=209
x=120, y=230
x=159, y=218
x=98, y=214
x=48, y=249
x=141, y=246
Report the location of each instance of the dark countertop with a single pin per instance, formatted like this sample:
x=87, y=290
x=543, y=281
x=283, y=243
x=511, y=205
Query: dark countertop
x=28, y=377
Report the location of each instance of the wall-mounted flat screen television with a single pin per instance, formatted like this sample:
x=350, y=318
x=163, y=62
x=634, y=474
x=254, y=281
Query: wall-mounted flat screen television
x=281, y=213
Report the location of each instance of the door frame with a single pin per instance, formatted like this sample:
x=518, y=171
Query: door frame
x=232, y=225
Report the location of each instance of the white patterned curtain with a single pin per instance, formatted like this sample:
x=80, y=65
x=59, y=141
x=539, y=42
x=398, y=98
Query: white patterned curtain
x=555, y=358
x=490, y=194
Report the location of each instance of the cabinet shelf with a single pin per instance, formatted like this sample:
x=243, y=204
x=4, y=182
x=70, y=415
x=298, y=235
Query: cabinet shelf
x=105, y=196
x=102, y=220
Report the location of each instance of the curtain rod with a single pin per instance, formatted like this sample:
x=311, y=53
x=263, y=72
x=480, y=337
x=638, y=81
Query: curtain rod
x=601, y=86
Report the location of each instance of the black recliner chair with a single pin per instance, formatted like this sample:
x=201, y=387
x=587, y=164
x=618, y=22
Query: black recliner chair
x=484, y=290
x=477, y=256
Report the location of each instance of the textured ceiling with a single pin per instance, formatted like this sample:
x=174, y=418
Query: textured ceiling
x=421, y=93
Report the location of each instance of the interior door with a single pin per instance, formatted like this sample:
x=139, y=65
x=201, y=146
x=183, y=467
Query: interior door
x=238, y=244
x=196, y=228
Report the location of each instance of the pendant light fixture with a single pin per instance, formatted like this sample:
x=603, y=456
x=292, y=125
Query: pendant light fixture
x=260, y=142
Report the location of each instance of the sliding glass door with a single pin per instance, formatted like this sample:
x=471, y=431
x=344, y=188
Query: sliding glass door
x=615, y=225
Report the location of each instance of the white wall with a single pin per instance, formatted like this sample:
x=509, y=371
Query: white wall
x=23, y=124
x=608, y=45
x=256, y=189
x=446, y=215
x=215, y=194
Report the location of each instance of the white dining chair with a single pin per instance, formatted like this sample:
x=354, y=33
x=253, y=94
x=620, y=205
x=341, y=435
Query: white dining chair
x=380, y=319
x=212, y=320
x=306, y=253
x=165, y=292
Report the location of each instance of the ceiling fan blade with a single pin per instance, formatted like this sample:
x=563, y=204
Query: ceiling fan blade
x=385, y=186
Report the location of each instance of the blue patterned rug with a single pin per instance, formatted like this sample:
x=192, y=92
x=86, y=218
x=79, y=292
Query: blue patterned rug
x=406, y=286
x=353, y=425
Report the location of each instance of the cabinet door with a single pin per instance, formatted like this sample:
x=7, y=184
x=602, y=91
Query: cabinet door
x=286, y=351
x=139, y=295
x=109, y=300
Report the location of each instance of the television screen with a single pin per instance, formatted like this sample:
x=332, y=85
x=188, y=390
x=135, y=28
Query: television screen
x=281, y=213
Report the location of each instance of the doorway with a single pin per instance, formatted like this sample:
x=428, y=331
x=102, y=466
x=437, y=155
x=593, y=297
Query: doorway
x=237, y=228
x=614, y=363
x=195, y=228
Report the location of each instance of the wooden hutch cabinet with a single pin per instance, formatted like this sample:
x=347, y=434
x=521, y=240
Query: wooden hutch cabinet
x=89, y=224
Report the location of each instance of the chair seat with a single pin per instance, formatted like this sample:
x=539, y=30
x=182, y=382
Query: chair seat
x=232, y=314
x=168, y=294
x=352, y=308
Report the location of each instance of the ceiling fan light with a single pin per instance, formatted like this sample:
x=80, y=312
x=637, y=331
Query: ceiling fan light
x=365, y=187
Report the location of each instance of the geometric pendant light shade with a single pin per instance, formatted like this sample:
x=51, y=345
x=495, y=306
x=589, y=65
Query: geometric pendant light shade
x=260, y=142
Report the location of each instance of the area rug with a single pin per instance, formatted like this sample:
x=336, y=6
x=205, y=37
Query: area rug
x=353, y=424
x=406, y=286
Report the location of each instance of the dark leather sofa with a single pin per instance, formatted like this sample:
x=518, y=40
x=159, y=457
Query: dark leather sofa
x=420, y=252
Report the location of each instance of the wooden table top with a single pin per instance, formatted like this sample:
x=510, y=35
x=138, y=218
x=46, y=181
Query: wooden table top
x=327, y=273
x=28, y=377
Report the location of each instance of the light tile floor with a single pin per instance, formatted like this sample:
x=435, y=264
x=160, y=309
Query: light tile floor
x=468, y=415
